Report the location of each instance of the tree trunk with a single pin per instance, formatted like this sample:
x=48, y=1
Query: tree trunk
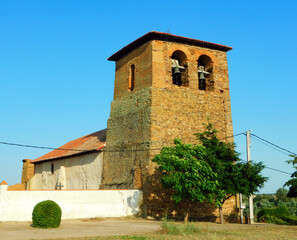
x=221, y=215
x=187, y=214
x=186, y=218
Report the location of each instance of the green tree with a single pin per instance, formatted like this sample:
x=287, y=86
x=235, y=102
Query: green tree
x=209, y=172
x=281, y=194
x=292, y=183
x=184, y=171
x=233, y=176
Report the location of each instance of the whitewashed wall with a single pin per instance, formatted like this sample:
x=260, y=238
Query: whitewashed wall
x=18, y=205
x=82, y=172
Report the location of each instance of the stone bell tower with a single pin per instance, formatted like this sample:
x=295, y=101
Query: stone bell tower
x=166, y=87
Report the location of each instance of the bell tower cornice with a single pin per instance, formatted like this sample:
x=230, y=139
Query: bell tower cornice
x=154, y=35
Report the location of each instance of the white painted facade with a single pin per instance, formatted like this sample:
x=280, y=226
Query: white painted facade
x=18, y=205
x=75, y=172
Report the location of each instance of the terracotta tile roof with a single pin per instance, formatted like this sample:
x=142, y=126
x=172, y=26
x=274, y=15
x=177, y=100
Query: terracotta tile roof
x=154, y=35
x=86, y=144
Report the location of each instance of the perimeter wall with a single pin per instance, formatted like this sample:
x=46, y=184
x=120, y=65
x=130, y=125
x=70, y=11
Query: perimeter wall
x=75, y=204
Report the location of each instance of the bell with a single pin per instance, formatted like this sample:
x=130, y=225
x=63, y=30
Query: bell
x=176, y=76
x=201, y=76
x=176, y=71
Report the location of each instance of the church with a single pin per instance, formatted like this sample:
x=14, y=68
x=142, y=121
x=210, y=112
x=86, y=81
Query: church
x=166, y=87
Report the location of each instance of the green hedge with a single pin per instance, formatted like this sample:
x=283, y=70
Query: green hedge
x=291, y=219
x=272, y=219
x=278, y=212
x=278, y=215
x=46, y=214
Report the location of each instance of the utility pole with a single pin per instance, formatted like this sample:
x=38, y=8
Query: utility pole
x=241, y=208
x=248, y=153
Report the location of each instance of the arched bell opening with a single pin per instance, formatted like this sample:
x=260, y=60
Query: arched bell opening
x=179, y=69
x=205, y=73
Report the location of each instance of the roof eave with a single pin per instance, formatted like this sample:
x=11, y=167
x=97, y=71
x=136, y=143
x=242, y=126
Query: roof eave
x=165, y=37
x=68, y=156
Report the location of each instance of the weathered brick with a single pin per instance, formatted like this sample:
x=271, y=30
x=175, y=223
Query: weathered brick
x=155, y=113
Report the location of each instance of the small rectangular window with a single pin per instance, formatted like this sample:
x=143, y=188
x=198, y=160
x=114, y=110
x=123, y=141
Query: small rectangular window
x=52, y=168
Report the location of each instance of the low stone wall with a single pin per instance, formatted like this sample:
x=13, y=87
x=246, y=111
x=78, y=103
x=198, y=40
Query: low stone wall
x=75, y=204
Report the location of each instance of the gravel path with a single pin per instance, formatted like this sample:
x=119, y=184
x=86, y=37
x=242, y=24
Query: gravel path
x=77, y=228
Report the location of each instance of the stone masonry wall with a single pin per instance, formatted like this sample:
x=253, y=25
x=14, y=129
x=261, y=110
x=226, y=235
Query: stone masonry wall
x=141, y=58
x=128, y=135
x=157, y=112
x=128, y=140
x=179, y=112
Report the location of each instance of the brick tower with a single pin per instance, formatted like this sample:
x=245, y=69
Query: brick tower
x=166, y=87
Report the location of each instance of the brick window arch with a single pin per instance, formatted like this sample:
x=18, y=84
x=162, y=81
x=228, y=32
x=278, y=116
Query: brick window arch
x=205, y=73
x=179, y=69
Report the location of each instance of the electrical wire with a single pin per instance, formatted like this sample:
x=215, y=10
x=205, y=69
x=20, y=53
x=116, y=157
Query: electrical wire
x=268, y=145
x=275, y=147
x=83, y=150
x=233, y=135
x=136, y=150
x=278, y=170
x=49, y=148
x=292, y=153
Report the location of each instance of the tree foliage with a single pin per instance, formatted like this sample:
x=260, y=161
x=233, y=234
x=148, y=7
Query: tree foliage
x=184, y=170
x=292, y=183
x=233, y=175
x=209, y=172
x=281, y=194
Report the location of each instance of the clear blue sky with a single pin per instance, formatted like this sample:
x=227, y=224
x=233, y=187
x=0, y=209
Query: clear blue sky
x=56, y=84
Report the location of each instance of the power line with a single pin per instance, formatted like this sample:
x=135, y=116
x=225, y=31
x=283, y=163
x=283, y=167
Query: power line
x=278, y=170
x=162, y=147
x=50, y=148
x=233, y=135
x=268, y=145
x=133, y=150
x=274, y=145
x=136, y=150
x=83, y=150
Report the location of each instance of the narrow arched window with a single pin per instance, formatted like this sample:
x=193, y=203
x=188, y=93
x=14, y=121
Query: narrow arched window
x=205, y=76
x=179, y=69
x=131, y=78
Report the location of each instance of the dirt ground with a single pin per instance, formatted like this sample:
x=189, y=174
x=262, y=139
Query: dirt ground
x=78, y=228
x=149, y=229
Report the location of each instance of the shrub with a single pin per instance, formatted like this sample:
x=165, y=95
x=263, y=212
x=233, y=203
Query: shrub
x=272, y=219
x=278, y=215
x=278, y=212
x=291, y=219
x=46, y=214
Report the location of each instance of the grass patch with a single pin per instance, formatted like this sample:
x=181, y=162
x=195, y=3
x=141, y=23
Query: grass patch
x=208, y=231
x=133, y=237
x=179, y=229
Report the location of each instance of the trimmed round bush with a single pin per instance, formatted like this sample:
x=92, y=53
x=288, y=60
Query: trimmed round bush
x=46, y=214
